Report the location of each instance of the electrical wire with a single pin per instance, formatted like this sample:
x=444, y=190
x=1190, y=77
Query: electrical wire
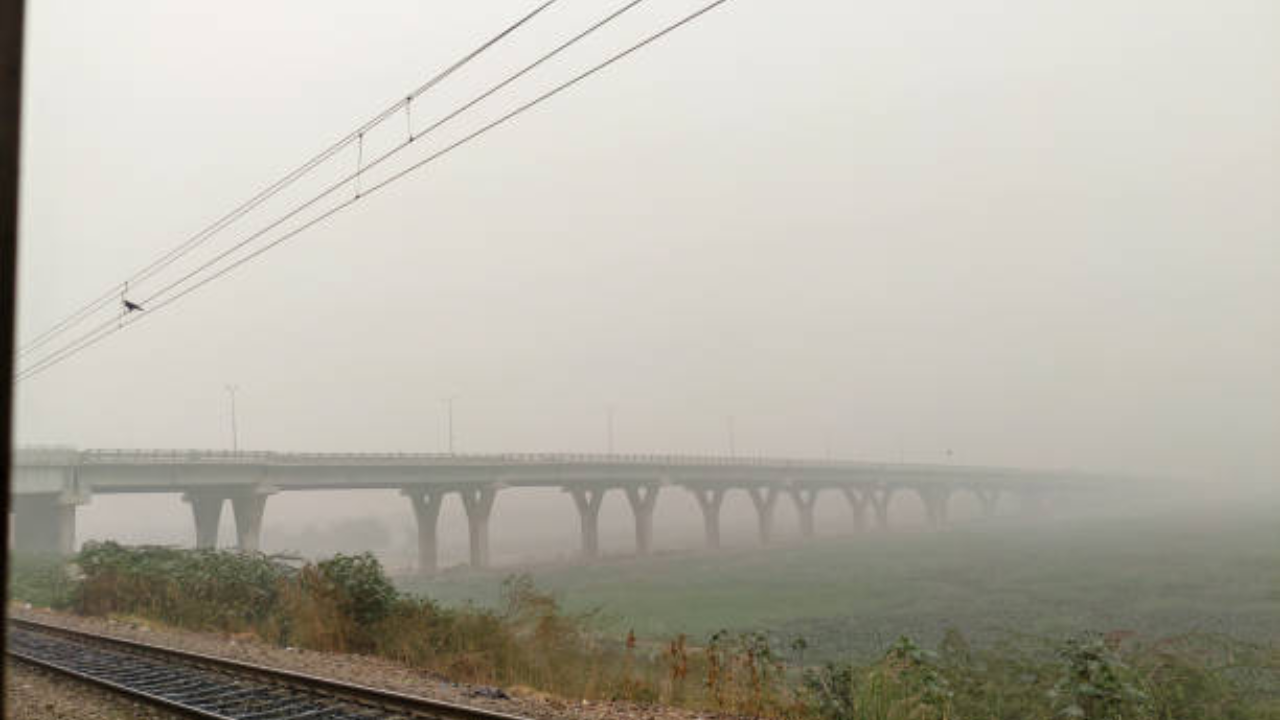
x=355, y=176
x=107, y=329
x=171, y=256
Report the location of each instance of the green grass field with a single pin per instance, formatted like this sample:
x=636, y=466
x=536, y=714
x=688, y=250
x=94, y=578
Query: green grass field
x=851, y=596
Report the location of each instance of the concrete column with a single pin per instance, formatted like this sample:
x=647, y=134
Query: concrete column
x=1031, y=501
x=43, y=524
x=880, y=497
x=765, y=499
x=988, y=497
x=805, y=498
x=941, y=501
x=588, y=501
x=709, y=500
x=934, y=498
x=206, y=510
x=426, y=511
x=478, y=502
x=642, y=499
x=248, y=506
x=858, y=502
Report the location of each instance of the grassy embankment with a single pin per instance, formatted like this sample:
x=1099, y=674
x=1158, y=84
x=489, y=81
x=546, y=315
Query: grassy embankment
x=526, y=638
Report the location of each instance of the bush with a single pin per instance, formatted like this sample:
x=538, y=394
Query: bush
x=347, y=603
x=906, y=683
x=364, y=593
x=1096, y=684
x=831, y=691
x=203, y=589
x=744, y=674
x=42, y=580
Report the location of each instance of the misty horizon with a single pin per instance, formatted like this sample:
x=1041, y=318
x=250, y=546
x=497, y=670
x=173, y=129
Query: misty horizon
x=949, y=259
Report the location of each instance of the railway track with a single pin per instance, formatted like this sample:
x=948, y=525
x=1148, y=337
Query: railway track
x=203, y=686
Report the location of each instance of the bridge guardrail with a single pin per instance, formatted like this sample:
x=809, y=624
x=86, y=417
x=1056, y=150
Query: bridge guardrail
x=657, y=461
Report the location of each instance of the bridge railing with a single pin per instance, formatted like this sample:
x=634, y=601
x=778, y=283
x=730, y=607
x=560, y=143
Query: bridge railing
x=247, y=456
x=259, y=457
x=676, y=467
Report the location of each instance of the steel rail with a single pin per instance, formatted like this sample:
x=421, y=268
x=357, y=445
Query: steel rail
x=214, y=688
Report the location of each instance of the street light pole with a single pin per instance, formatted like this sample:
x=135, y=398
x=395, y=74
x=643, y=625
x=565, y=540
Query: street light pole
x=733, y=439
x=235, y=435
x=609, y=427
x=448, y=404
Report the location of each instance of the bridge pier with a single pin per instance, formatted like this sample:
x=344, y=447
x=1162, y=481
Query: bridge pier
x=804, y=498
x=1032, y=501
x=642, y=499
x=858, y=503
x=765, y=499
x=44, y=524
x=709, y=501
x=206, y=510
x=934, y=498
x=478, y=502
x=880, y=497
x=426, y=512
x=247, y=506
x=588, y=501
x=988, y=497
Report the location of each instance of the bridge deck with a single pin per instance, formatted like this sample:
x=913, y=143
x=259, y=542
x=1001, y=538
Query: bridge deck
x=107, y=471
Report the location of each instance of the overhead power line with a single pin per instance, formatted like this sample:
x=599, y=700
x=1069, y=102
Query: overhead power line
x=363, y=168
x=111, y=327
x=114, y=323
x=195, y=241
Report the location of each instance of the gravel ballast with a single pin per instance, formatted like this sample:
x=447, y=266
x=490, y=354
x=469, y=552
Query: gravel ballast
x=35, y=694
x=360, y=669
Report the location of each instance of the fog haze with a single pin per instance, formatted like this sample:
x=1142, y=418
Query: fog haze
x=1032, y=234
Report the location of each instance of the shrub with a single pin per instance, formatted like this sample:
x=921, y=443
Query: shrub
x=204, y=589
x=831, y=691
x=347, y=603
x=906, y=683
x=364, y=593
x=1096, y=684
x=42, y=580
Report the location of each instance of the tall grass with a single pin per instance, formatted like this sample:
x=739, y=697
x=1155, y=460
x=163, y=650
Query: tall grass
x=42, y=580
x=347, y=604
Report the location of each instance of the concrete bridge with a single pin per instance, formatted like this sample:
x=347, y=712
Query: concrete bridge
x=48, y=484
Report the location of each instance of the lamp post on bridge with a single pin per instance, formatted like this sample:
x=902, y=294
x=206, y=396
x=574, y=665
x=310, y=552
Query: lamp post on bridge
x=448, y=404
x=733, y=436
x=609, y=410
x=235, y=435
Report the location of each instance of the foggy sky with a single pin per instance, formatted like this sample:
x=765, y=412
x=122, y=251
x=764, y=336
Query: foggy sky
x=1039, y=234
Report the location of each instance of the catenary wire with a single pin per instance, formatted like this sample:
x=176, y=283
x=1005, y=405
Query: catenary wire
x=102, y=330
x=108, y=329
x=267, y=193
x=356, y=175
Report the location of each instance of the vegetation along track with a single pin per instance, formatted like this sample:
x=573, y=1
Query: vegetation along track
x=203, y=686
